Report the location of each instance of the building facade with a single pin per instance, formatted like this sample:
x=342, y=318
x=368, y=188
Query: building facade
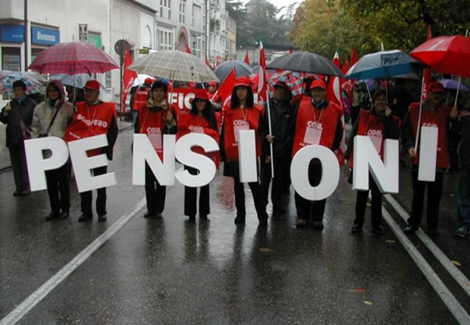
x=29, y=26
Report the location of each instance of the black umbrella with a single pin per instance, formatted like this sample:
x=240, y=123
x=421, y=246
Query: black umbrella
x=306, y=62
x=241, y=69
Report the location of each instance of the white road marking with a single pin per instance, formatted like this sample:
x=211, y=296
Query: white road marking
x=442, y=258
x=22, y=309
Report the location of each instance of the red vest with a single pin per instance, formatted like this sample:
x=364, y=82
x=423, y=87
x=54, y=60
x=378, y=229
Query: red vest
x=238, y=119
x=435, y=118
x=307, y=114
x=152, y=124
x=190, y=123
x=369, y=125
x=90, y=120
x=141, y=97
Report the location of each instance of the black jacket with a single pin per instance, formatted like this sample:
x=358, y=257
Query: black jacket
x=281, y=115
x=25, y=108
x=464, y=146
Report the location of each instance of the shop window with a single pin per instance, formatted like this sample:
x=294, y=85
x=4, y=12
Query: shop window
x=11, y=58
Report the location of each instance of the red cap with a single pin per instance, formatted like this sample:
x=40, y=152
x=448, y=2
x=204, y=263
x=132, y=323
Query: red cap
x=242, y=81
x=436, y=87
x=92, y=84
x=201, y=94
x=213, y=84
x=318, y=84
x=149, y=81
x=282, y=84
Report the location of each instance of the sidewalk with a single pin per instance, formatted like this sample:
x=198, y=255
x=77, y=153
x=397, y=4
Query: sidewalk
x=5, y=163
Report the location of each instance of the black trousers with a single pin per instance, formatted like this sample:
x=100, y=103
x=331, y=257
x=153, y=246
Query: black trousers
x=376, y=208
x=434, y=199
x=281, y=180
x=58, y=189
x=20, y=168
x=87, y=197
x=154, y=192
x=190, y=198
x=258, y=198
x=307, y=208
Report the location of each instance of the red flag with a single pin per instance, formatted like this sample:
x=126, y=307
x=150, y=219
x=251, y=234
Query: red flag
x=427, y=72
x=291, y=50
x=188, y=49
x=247, y=58
x=225, y=89
x=345, y=67
x=127, y=79
x=333, y=94
x=354, y=58
x=263, y=77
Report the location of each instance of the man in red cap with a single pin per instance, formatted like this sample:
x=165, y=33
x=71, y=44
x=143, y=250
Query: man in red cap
x=316, y=121
x=280, y=114
x=94, y=117
x=140, y=98
x=438, y=115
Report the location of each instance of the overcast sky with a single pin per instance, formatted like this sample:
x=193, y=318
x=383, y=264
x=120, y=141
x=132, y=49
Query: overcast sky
x=280, y=3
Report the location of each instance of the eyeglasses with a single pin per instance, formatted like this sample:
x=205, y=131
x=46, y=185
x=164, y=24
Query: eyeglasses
x=86, y=90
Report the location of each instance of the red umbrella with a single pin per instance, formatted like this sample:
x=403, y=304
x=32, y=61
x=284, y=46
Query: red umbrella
x=73, y=58
x=445, y=54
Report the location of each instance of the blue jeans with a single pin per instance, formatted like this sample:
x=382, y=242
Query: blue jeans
x=463, y=203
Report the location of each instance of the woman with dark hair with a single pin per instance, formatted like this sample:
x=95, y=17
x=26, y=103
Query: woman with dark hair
x=378, y=124
x=201, y=119
x=155, y=120
x=242, y=114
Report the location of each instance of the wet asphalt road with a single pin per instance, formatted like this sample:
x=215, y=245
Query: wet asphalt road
x=171, y=271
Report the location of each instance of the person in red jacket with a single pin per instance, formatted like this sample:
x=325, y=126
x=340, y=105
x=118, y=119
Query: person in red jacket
x=156, y=119
x=139, y=99
x=201, y=119
x=315, y=121
x=434, y=114
x=378, y=124
x=242, y=114
x=94, y=117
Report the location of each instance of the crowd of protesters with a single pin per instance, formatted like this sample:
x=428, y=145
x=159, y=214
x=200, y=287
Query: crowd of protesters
x=389, y=112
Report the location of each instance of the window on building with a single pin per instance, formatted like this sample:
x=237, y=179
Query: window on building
x=11, y=58
x=196, y=15
x=165, y=9
x=182, y=11
x=166, y=39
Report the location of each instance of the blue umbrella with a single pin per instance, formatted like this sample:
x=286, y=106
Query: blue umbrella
x=452, y=84
x=383, y=65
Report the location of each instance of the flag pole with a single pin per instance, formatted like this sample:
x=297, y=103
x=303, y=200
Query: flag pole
x=270, y=133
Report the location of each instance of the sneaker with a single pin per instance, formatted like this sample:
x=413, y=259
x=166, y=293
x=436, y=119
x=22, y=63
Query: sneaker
x=356, y=228
x=379, y=230
x=63, y=215
x=52, y=215
x=318, y=224
x=409, y=230
x=301, y=223
x=102, y=218
x=239, y=220
x=17, y=192
x=461, y=232
x=85, y=217
x=203, y=217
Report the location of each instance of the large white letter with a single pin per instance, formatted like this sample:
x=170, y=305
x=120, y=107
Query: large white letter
x=299, y=172
x=247, y=156
x=428, y=154
x=187, y=157
x=144, y=152
x=82, y=164
x=385, y=173
x=36, y=162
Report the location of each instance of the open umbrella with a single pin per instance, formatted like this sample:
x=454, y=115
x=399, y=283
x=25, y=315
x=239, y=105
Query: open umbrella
x=174, y=65
x=306, y=62
x=383, y=65
x=445, y=54
x=73, y=58
x=241, y=69
x=7, y=78
x=454, y=84
x=76, y=80
x=295, y=81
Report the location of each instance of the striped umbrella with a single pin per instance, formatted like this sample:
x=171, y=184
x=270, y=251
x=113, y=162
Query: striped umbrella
x=174, y=65
x=73, y=58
